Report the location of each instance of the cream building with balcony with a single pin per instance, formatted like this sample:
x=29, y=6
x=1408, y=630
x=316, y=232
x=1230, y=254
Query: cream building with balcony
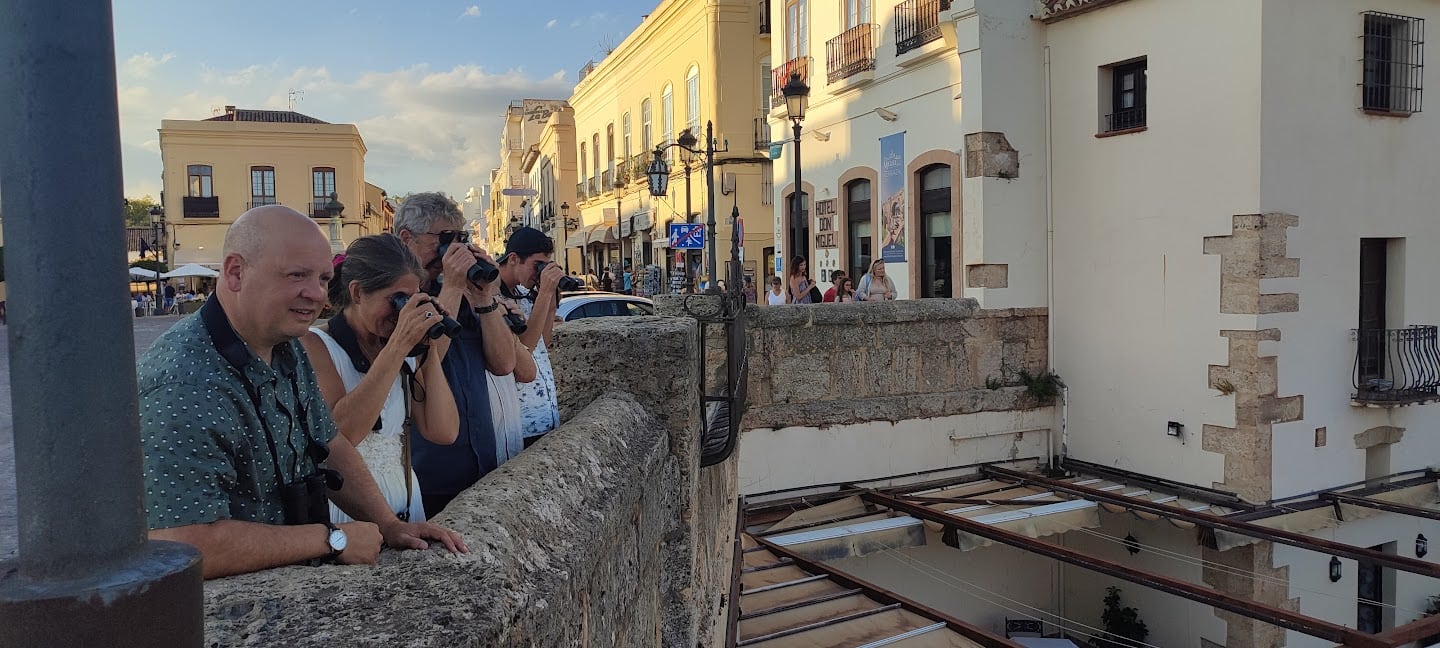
x=550, y=169
x=215, y=169
x=510, y=191
x=687, y=63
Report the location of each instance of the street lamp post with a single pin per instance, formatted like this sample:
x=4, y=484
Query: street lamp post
x=659, y=173
x=157, y=243
x=797, y=99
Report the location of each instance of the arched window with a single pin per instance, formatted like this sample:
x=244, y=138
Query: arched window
x=935, y=246
x=646, y=141
x=595, y=154
x=857, y=219
x=667, y=119
x=692, y=101
x=610, y=152
x=584, y=177
x=202, y=180
x=625, y=137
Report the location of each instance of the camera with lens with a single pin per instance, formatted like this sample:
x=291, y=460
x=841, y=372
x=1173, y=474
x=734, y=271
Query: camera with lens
x=446, y=326
x=483, y=272
x=305, y=500
x=567, y=283
x=515, y=322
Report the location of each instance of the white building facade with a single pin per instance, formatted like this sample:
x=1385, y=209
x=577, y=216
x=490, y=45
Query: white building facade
x=1224, y=206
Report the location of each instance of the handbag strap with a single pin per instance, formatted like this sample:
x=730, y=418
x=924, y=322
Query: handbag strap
x=406, y=375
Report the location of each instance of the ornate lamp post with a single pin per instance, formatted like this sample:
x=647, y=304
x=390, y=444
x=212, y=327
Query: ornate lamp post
x=797, y=99
x=659, y=173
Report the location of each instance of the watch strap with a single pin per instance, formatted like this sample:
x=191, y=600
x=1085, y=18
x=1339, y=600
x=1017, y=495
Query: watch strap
x=494, y=304
x=330, y=529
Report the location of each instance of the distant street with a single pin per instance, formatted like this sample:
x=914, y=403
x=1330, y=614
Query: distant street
x=146, y=330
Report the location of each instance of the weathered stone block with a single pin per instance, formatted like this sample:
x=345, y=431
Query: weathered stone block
x=987, y=275
x=1379, y=436
x=989, y=154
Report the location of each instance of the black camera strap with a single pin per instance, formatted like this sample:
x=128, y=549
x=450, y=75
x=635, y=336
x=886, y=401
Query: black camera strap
x=237, y=355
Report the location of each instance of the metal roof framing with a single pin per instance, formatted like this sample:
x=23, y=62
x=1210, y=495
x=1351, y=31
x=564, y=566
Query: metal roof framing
x=1266, y=613
x=888, y=597
x=1402, y=563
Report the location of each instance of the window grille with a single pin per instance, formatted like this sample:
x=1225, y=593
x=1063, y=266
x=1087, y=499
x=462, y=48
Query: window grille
x=1394, y=48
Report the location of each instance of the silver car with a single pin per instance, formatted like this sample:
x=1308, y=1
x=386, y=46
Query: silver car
x=577, y=305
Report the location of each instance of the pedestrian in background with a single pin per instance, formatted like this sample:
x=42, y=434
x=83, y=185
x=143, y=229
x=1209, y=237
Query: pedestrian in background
x=835, y=278
x=875, y=286
x=845, y=291
x=798, y=284
x=776, y=295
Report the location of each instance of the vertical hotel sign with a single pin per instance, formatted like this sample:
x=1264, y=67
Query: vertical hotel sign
x=891, y=232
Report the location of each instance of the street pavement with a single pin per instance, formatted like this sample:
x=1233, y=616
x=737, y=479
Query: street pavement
x=146, y=330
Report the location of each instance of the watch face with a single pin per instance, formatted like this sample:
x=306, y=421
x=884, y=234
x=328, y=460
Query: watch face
x=337, y=540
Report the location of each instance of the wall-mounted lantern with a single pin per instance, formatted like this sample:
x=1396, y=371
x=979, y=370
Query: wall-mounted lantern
x=1334, y=569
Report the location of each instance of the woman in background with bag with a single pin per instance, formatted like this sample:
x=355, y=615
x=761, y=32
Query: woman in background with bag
x=797, y=284
x=875, y=286
x=373, y=385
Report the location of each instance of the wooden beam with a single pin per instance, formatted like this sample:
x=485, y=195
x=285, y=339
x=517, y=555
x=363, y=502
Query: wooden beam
x=1413, y=631
x=1259, y=611
x=973, y=633
x=1381, y=505
x=1213, y=521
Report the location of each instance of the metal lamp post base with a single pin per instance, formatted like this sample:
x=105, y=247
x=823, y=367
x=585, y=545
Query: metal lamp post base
x=153, y=599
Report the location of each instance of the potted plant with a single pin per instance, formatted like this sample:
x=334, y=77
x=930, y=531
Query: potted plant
x=1122, y=625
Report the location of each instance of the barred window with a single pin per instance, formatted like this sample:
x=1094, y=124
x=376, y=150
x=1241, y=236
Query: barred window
x=1393, y=62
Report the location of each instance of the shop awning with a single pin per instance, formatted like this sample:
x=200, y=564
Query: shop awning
x=602, y=234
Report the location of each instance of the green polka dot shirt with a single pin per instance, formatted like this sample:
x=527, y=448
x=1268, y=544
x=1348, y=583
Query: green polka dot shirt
x=206, y=453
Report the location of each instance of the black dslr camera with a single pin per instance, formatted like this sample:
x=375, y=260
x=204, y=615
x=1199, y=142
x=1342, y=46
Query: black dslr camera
x=305, y=500
x=567, y=282
x=446, y=326
x=481, y=273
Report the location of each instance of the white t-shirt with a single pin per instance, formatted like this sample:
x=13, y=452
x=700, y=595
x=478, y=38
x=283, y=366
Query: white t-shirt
x=774, y=299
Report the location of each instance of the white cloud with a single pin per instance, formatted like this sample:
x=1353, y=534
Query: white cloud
x=141, y=65
x=424, y=129
x=472, y=12
x=551, y=23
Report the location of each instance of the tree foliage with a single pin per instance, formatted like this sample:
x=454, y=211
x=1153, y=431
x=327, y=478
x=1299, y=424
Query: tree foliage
x=153, y=265
x=137, y=211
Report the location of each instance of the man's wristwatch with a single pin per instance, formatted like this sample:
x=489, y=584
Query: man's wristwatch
x=494, y=304
x=336, y=540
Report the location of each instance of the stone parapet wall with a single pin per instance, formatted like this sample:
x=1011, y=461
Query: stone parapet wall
x=836, y=364
x=590, y=537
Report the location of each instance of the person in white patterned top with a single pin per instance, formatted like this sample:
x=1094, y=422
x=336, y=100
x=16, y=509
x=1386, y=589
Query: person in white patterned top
x=529, y=274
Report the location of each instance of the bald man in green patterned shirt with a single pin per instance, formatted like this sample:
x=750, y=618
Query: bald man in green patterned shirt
x=232, y=419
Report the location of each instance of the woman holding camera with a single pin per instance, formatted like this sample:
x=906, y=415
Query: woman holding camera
x=376, y=370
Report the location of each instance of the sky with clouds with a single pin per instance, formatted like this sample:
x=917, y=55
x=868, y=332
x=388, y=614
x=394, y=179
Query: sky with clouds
x=425, y=81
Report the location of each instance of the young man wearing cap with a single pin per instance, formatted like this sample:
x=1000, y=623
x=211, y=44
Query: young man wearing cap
x=536, y=290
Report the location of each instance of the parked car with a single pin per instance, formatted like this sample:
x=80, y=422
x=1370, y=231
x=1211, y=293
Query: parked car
x=577, y=305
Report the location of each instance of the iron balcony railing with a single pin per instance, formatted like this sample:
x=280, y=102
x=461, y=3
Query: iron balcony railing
x=1125, y=119
x=1396, y=366
x=764, y=17
x=917, y=22
x=260, y=201
x=201, y=206
x=638, y=165
x=781, y=75
x=762, y=134
x=321, y=209
x=595, y=189
x=852, y=52
x=515, y=144
x=606, y=180
x=580, y=190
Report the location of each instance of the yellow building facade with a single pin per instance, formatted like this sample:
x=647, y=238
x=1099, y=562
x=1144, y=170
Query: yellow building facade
x=686, y=64
x=215, y=169
x=552, y=171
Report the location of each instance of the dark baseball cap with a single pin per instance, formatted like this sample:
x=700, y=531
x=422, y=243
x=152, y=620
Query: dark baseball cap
x=527, y=241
